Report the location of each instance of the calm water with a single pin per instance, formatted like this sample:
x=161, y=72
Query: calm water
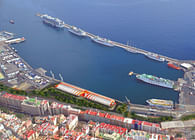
x=162, y=26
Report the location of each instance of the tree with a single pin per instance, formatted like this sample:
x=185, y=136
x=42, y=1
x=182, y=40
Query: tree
x=178, y=135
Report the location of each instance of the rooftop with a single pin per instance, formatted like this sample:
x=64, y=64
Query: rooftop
x=32, y=101
x=177, y=124
x=15, y=97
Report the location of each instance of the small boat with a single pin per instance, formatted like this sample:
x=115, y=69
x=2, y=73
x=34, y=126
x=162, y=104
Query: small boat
x=11, y=21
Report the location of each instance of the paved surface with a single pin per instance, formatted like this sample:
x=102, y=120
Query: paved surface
x=17, y=73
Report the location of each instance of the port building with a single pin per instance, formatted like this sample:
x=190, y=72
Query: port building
x=186, y=65
x=76, y=91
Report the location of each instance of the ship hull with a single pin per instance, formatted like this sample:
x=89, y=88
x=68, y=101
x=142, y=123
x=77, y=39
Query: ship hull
x=76, y=33
x=173, y=66
x=131, y=51
x=53, y=25
x=154, y=58
x=159, y=105
x=154, y=83
x=103, y=43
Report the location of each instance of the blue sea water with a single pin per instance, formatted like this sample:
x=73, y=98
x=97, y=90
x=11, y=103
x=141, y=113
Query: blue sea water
x=161, y=26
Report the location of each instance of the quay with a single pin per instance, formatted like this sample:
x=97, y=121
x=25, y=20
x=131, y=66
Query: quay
x=15, y=41
x=4, y=35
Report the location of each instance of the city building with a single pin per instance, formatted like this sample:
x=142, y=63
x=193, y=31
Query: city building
x=72, y=122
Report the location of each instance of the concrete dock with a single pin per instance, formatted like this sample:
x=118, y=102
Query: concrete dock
x=133, y=49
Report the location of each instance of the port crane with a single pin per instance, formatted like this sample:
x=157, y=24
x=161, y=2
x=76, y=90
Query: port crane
x=61, y=78
x=129, y=103
x=52, y=74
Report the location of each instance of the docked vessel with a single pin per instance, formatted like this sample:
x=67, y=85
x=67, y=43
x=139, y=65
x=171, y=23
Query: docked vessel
x=130, y=50
x=102, y=41
x=155, y=57
x=155, y=80
x=55, y=22
x=174, y=66
x=168, y=104
x=77, y=31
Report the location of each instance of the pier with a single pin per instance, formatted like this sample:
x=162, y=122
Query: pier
x=131, y=48
x=15, y=41
x=124, y=46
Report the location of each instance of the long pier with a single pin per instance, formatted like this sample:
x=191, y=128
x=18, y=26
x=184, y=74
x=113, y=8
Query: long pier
x=131, y=48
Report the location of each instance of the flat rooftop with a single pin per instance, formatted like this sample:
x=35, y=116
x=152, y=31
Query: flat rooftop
x=32, y=101
x=11, y=68
x=177, y=124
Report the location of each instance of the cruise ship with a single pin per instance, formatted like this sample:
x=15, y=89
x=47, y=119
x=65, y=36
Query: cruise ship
x=130, y=50
x=168, y=104
x=55, y=22
x=77, y=31
x=155, y=80
x=102, y=41
x=155, y=57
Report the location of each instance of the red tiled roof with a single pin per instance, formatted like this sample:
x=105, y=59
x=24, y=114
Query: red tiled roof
x=139, y=122
x=92, y=113
x=92, y=123
x=147, y=123
x=114, y=128
x=44, y=102
x=101, y=114
x=107, y=116
x=12, y=96
x=29, y=133
x=114, y=117
x=156, y=124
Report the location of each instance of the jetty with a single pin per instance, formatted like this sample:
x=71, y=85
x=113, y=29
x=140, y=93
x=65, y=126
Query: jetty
x=15, y=41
